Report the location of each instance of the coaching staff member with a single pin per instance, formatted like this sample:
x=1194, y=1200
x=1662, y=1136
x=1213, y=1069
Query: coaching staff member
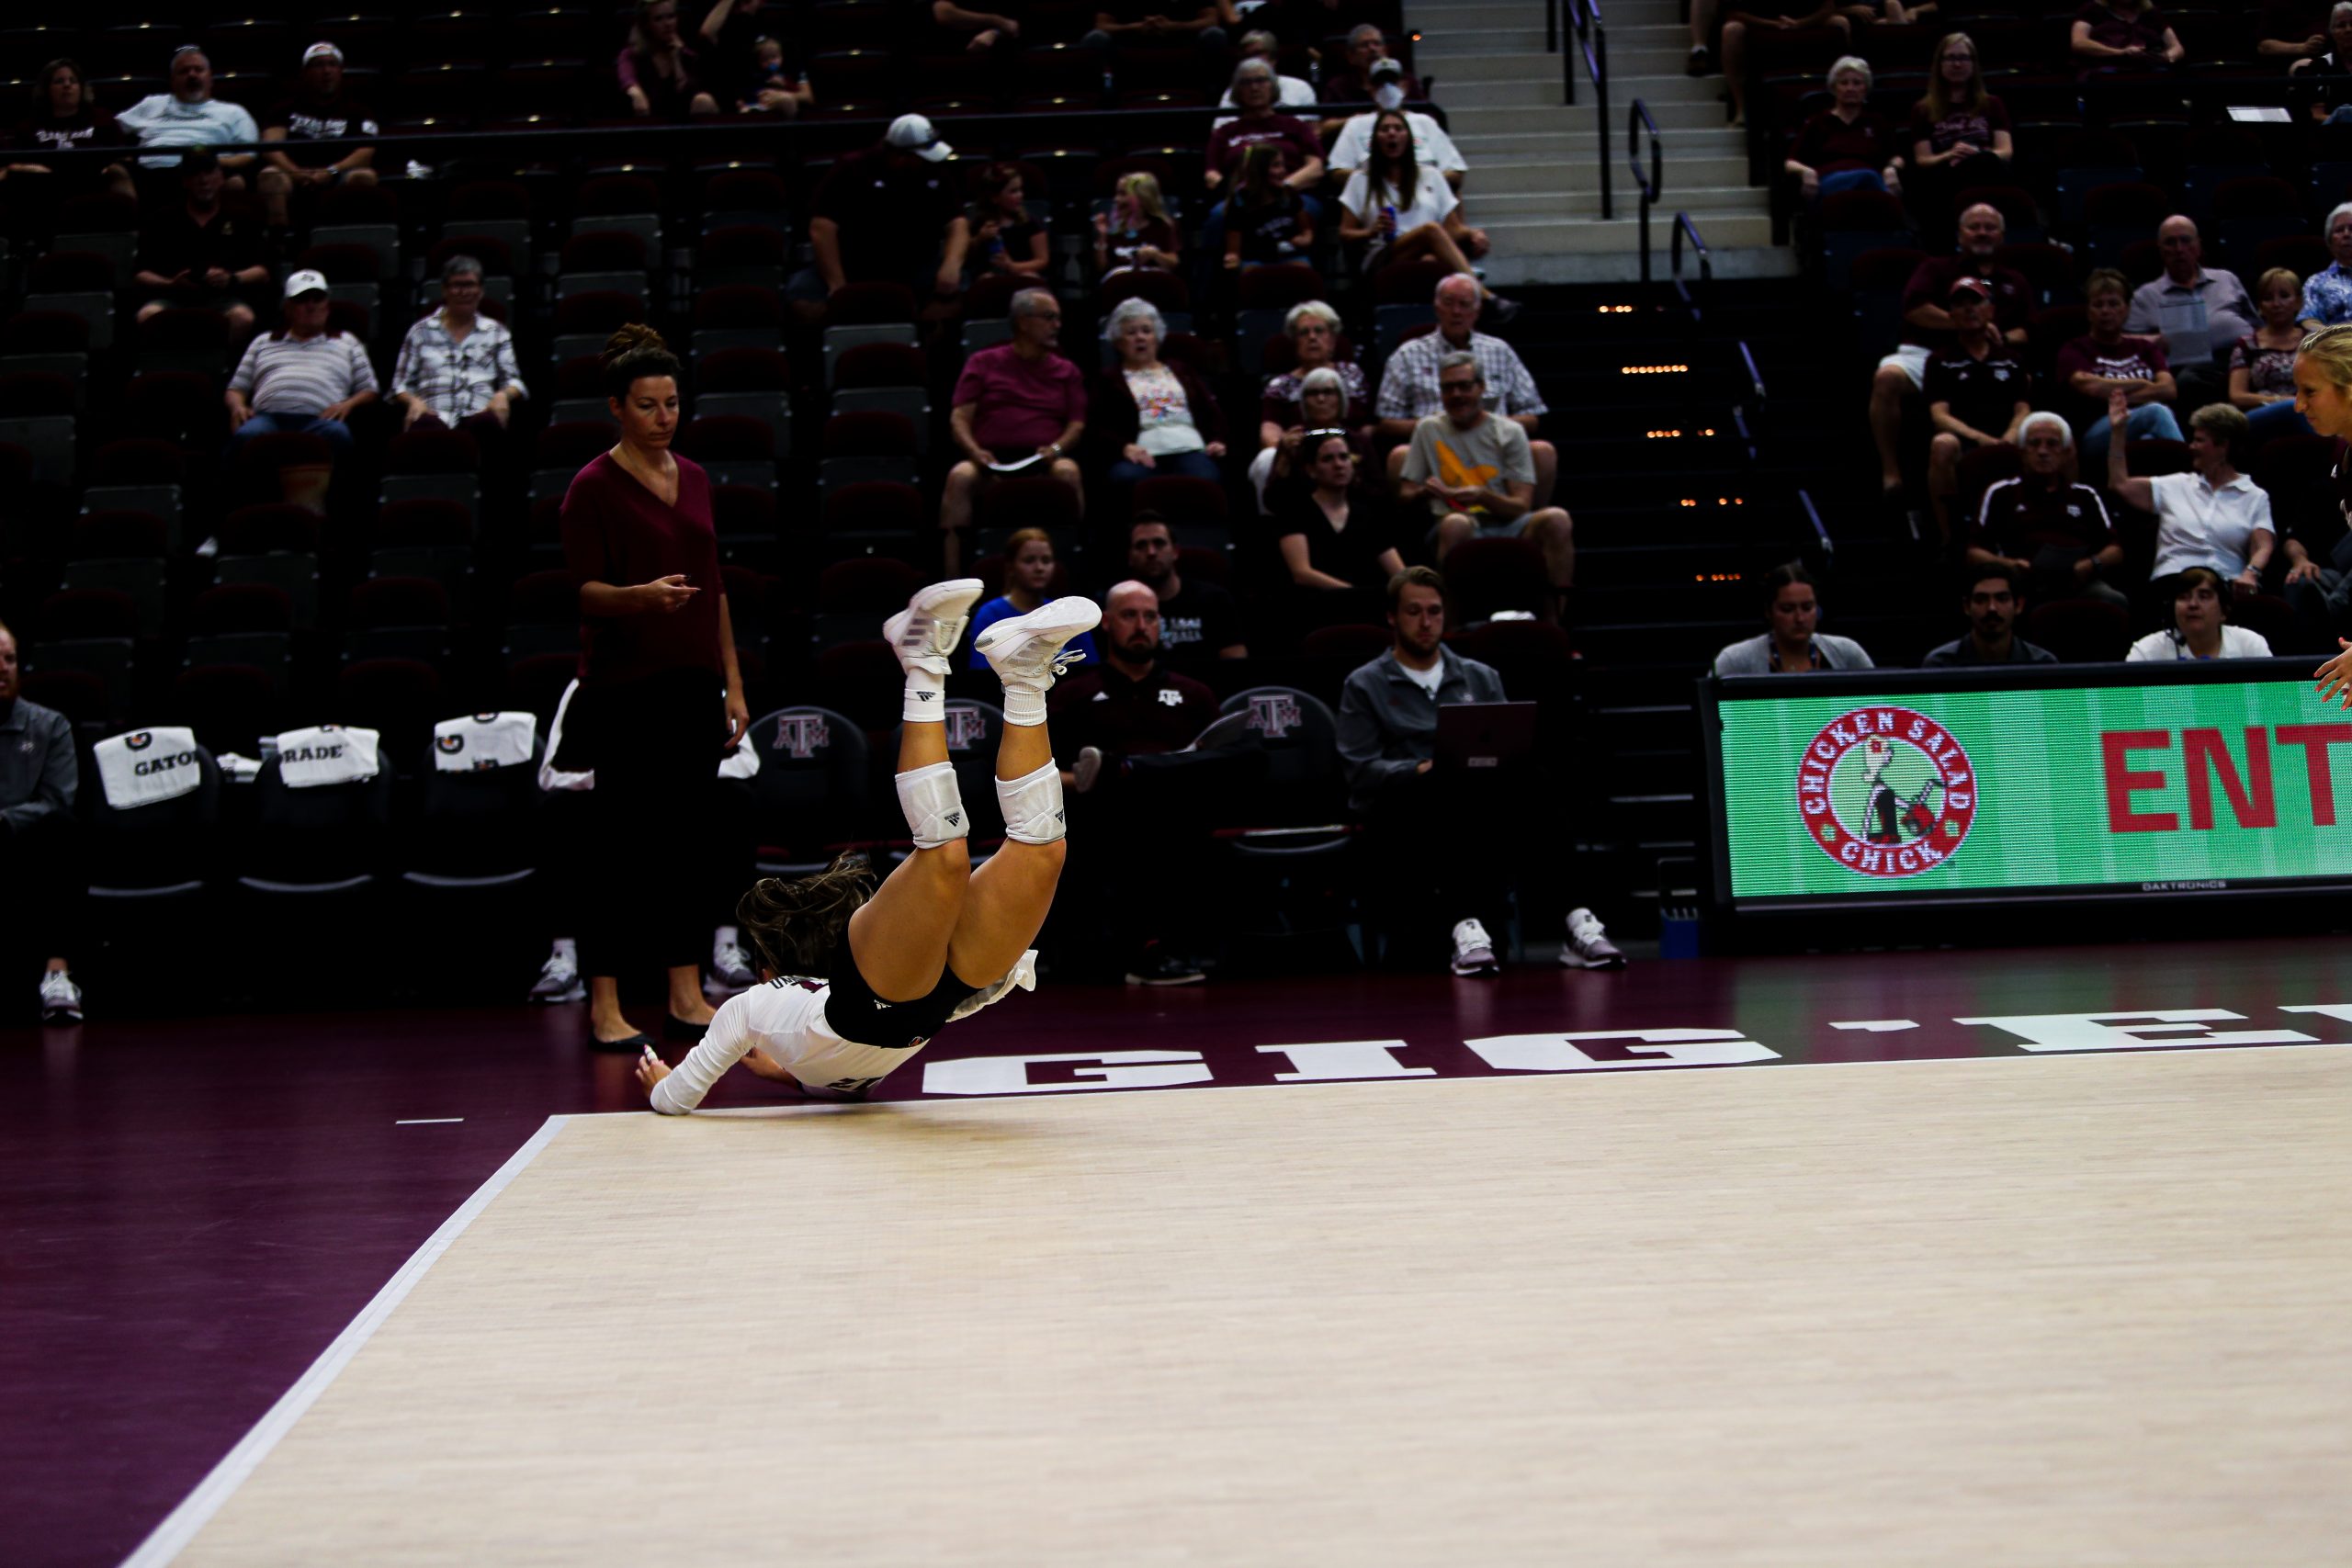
x=657, y=651
x=39, y=776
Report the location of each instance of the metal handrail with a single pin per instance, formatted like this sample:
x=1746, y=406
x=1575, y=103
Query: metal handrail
x=1592, y=42
x=1653, y=185
x=1683, y=225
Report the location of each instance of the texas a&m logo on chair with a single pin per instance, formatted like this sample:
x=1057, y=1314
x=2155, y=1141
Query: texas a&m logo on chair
x=802, y=735
x=1274, y=714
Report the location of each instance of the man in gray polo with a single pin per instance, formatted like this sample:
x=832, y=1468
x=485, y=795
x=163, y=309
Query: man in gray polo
x=38, y=866
x=2198, y=310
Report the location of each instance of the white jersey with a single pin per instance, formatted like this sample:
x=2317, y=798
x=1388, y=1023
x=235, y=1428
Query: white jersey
x=786, y=1018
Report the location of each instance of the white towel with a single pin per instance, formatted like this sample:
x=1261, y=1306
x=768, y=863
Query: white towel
x=743, y=763
x=321, y=754
x=483, y=741
x=238, y=769
x=146, y=766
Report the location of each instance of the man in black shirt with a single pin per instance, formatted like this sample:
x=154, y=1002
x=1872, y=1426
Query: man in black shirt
x=1976, y=392
x=2053, y=533
x=891, y=214
x=39, y=776
x=320, y=109
x=201, y=253
x=1992, y=599
x=1199, y=622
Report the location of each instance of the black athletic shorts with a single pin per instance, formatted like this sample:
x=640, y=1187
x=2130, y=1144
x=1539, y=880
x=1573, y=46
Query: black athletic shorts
x=856, y=1014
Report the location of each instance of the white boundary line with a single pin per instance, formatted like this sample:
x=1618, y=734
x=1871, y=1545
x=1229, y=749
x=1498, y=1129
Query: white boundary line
x=195, y=1510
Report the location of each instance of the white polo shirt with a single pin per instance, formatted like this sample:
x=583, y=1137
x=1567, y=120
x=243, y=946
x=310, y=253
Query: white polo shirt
x=2199, y=525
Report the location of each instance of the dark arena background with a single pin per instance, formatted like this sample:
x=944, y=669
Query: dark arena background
x=1835, y=1061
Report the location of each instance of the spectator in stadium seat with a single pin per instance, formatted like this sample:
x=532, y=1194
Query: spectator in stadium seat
x=1291, y=93
x=456, y=368
x=1428, y=823
x=190, y=115
x=1408, y=389
x=1199, y=621
x=2262, y=363
x=1352, y=82
x=1927, y=328
x=1849, y=145
x=1005, y=240
x=1136, y=232
x=1147, y=417
x=978, y=30
x=2296, y=30
x=2104, y=360
x=1741, y=15
x=658, y=74
x=1335, y=535
x=750, y=50
x=1265, y=221
x=2318, y=582
x=1432, y=148
x=65, y=118
x=1472, y=469
x=2197, y=310
x=1794, y=642
x=2051, y=531
x=1028, y=583
x=2213, y=516
x=1150, y=23
x=1019, y=403
x=1258, y=119
x=1123, y=726
x=2200, y=628
x=2327, y=294
x=301, y=378
x=202, y=254
x=1977, y=394
x=890, y=214
x=1992, y=597
x=1960, y=133
x=38, y=865
x=1399, y=211
x=319, y=109
x=2123, y=35
x=2329, y=72
x=1317, y=402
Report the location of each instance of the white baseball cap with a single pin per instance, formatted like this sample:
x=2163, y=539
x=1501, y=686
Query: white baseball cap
x=322, y=52
x=913, y=133
x=306, y=282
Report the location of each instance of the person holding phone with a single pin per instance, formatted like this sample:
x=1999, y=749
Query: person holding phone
x=660, y=697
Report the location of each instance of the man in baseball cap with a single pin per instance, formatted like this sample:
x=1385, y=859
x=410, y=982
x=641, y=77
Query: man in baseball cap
x=319, y=109
x=302, y=378
x=892, y=213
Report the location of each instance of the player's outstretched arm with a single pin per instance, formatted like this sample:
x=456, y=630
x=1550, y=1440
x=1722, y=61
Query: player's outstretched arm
x=2335, y=677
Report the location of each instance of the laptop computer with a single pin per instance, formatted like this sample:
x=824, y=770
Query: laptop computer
x=1485, y=735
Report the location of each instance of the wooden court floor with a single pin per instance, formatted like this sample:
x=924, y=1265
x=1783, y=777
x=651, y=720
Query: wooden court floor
x=2075, y=1309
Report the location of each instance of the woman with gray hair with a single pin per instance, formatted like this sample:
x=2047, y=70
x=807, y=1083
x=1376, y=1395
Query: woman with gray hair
x=1148, y=418
x=1849, y=145
x=1283, y=414
x=2327, y=294
x=457, y=369
x=1289, y=92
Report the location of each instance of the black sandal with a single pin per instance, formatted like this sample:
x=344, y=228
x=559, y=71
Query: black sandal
x=640, y=1041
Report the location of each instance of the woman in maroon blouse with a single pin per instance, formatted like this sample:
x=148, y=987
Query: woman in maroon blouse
x=1849, y=146
x=657, y=652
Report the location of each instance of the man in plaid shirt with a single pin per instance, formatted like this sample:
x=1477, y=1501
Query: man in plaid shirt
x=456, y=368
x=1408, y=389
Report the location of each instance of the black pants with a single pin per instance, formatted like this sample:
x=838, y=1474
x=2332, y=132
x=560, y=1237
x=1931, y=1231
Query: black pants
x=41, y=917
x=1141, y=854
x=643, y=882
x=1432, y=839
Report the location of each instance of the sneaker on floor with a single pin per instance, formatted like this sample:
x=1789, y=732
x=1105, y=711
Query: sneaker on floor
x=559, y=981
x=1159, y=966
x=730, y=971
x=61, y=998
x=1473, y=951
x=1701, y=62
x=1589, y=946
x=926, y=632
x=1085, y=769
x=1027, y=650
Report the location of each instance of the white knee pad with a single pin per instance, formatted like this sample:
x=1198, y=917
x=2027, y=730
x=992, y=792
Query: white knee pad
x=1033, y=807
x=933, y=806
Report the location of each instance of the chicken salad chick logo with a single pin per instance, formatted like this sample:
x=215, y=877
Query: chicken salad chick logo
x=1887, y=792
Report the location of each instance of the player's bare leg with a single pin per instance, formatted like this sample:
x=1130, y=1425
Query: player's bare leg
x=899, y=936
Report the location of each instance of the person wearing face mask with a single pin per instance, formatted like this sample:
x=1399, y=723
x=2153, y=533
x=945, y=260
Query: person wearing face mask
x=2105, y=361
x=1352, y=81
x=1992, y=597
x=1432, y=148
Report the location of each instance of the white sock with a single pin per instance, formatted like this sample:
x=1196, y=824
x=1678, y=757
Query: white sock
x=1024, y=705
x=933, y=804
x=926, y=700
x=1033, y=803
x=566, y=947
x=723, y=938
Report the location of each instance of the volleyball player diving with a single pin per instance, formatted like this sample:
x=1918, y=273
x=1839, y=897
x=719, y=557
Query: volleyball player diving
x=856, y=978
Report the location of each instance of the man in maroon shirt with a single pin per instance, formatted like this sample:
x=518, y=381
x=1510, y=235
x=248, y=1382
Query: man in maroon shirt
x=1142, y=797
x=1978, y=393
x=2123, y=35
x=1926, y=327
x=1019, y=406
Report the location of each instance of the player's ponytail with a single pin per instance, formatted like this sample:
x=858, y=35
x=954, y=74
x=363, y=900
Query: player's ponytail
x=797, y=927
x=634, y=352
